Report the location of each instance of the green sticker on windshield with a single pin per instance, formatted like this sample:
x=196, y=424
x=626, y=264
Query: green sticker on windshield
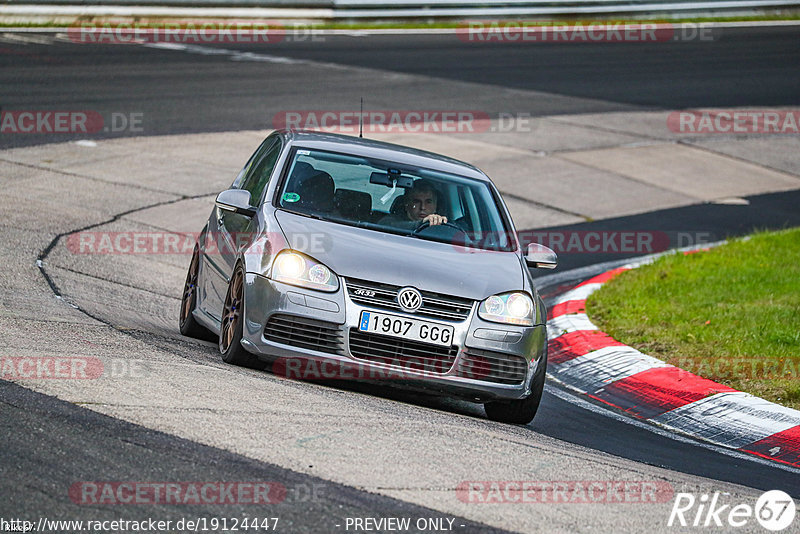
x=291, y=197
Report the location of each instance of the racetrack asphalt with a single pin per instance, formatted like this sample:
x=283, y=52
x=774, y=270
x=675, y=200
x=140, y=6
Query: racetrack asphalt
x=242, y=86
x=395, y=445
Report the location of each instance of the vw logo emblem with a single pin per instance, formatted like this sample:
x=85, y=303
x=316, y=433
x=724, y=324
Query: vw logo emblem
x=409, y=299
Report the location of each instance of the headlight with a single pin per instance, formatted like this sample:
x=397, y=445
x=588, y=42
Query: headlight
x=293, y=268
x=511, y=308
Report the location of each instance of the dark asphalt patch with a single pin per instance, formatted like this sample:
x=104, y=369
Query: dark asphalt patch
x=49, y=446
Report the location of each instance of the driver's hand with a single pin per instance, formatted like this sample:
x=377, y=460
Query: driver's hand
x=434, y=219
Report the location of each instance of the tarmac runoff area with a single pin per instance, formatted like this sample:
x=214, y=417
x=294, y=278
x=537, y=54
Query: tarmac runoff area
x=121, y=309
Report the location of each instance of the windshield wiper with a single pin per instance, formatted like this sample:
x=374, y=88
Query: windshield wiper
x=307, y=214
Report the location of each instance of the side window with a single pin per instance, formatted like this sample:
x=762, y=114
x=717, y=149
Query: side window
x=259, y=172
x=237, y=183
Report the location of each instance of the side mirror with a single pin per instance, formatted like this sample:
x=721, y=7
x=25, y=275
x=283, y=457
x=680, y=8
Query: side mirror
x=237, y=201
x=541, y=257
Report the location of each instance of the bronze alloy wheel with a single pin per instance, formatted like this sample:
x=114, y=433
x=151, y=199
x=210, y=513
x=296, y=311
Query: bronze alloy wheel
x=232, y=313
x=190, y=288
x=188, y=324
x=231, y=327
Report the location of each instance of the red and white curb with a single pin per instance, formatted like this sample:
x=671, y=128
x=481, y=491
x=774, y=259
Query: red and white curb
x=588, y=361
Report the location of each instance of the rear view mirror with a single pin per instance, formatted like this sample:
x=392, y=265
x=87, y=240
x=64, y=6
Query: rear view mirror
x=541, y=257
x=237, y=201
x=382, y=178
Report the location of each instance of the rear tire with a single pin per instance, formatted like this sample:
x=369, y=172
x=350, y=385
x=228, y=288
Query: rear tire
x=230, y=330
x=522, y=411
x=187, y=324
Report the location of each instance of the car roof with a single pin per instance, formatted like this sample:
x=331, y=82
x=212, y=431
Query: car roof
x=362, y=146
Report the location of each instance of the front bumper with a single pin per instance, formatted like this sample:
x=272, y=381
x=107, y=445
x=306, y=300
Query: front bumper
x=331, y=358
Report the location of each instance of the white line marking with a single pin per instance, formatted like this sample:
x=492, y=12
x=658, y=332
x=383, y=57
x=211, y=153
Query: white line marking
x=14, y=38
x=564, y=324
x=166, y=46
x=579, y=293
x=235, y=55
x=732, y=419
x=597, y=369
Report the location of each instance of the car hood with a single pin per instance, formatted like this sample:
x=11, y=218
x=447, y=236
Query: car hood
x=403, y=261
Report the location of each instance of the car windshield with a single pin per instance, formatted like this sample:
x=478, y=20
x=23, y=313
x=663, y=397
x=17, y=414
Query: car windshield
x=394, y=198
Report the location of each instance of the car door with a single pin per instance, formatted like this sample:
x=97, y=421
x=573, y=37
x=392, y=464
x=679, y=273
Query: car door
x=232, y=232
x=225, y=227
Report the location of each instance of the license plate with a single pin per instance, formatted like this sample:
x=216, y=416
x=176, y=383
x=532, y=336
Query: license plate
x=405, y=328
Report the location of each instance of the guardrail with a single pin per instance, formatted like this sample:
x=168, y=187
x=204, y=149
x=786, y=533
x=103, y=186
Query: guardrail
x=518, y=8
x=414, y=9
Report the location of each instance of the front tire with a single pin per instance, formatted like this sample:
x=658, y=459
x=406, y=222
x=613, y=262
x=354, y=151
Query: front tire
x=522, y=411
x=187, y=323
x=230, y=331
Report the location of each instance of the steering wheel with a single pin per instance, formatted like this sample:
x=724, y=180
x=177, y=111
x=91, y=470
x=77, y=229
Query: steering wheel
x=426, y=224
x=458, y=229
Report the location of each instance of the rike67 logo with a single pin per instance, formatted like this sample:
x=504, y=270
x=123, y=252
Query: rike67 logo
x=774, y=510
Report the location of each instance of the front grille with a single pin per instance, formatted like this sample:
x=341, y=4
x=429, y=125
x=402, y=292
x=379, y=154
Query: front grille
x=304, y=333
x=491, y=366
x=434, y=305
x=410, y=355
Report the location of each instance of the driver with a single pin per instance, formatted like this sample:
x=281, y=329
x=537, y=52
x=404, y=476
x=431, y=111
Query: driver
x=418, y=205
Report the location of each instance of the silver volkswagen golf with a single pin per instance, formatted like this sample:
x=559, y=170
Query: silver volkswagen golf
x=339, y=257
